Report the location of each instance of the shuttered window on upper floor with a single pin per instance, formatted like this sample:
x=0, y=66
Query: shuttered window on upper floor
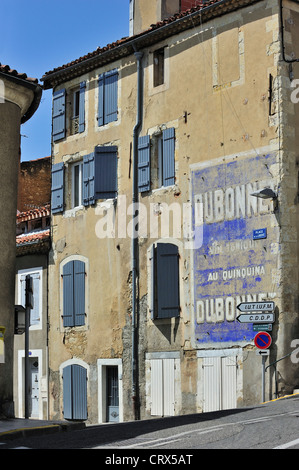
x=108, y=97
x=73, y=278
x=165, y=295
x=99, y=181
x=156, y=160
x=100, y=175
x=73, y=117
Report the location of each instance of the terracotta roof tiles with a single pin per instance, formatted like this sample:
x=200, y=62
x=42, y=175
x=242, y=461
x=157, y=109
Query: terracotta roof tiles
x=12, y=72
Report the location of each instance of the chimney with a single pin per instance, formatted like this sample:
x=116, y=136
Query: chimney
x=144, y=13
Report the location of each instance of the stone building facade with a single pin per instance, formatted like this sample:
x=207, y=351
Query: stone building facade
x=191, y=118
x=19, y=99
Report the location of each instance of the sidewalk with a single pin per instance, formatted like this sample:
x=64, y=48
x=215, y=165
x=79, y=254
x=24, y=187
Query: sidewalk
x=17, y=427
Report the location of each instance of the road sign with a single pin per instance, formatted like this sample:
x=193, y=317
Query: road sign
x=262, y=327
x=265, y=352
x=256, y=318
x=259, y=234
x=262, y=340
x=256, y=306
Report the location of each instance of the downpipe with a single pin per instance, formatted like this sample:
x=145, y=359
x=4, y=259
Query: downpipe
x=135, y=401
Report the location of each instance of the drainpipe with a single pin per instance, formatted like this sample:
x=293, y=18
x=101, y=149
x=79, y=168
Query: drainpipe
x=136, y=131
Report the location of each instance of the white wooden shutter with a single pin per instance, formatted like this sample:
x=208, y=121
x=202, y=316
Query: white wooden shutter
x=168, y=382
x=157, y=387
x=211, y=383
x=229, y=382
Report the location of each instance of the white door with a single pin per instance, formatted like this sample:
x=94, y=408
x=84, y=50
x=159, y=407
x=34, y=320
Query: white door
x=34, y=373
x=162, y=387
x=219, y=383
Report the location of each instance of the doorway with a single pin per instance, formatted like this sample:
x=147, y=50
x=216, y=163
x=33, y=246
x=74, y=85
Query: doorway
x=34, y=388
x=112, y=394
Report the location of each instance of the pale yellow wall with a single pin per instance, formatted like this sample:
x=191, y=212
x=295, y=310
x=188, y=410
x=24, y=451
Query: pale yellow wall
x=219, y=75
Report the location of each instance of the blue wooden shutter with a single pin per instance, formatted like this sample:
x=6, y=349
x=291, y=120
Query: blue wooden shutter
x=153, y=309
x=79, y=293
x=82, y=107
x=111, y=96
x=144, y=167
x=167, y=281
x=88, y=179
x=75, y=392
x=101, y=100
x=105, y=172
x=168, y=157
x=68, y=294
x=58, y=116
x=79, y=392
x=57, y=189
x=67, y=393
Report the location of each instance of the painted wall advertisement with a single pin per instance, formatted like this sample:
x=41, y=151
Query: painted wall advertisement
x=237, y=261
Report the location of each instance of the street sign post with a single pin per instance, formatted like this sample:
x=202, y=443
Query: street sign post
x=256, y=318
x=256, y=306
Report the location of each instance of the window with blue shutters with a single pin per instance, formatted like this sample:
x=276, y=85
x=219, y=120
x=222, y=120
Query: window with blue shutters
x=156, y=160
x=73, y=278
x=108, y=97
x=100, y=175
x=57, y=188
x=165, y=288
x=74, y=392
x=68, y=115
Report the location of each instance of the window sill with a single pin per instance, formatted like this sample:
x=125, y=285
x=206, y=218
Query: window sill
x=72, y=212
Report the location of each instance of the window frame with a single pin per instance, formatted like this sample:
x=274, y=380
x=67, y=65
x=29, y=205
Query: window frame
x=32, y=271
x=80, y=185
x=159, y=67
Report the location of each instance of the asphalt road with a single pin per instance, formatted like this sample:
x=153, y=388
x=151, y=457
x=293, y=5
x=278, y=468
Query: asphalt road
x=274, y=425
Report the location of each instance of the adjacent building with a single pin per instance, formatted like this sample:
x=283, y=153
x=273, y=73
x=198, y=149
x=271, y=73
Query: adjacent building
x=33, y=243
x=19, y=99
x=189, y=121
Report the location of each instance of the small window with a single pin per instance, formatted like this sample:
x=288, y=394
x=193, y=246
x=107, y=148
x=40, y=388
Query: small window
x=159, y=59
x=75, y=103
x=77, y=184
x=156, y=160
x=36, y=312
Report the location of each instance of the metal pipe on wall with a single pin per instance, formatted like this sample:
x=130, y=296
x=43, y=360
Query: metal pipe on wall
x=136, y=131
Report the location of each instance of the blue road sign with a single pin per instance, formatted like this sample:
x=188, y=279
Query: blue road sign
x=259, y=234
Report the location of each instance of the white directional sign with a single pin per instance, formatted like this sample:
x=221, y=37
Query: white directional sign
x=263, y=352
x=256, y=306
x=256, y=318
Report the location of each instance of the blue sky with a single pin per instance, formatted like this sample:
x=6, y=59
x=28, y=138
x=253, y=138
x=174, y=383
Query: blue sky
x=39, y=36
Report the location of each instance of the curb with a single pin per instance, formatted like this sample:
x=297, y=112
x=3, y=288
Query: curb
x=40, y=430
